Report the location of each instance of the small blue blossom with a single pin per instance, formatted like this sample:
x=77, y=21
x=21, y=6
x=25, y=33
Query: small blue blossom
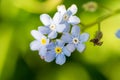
x=67, y=16
x=49, y=45
x=57, y=50
x=75, y=40
x=40, y=43
x=118, y=33
x=52, y=26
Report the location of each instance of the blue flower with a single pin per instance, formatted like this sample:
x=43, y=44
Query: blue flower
x=52, y=26
x=57, y=50
x=40, y=43
x=67, y=16
x=75, y=40
x=118, y=34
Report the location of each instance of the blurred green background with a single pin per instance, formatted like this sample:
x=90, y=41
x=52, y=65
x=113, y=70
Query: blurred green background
x=18, y=62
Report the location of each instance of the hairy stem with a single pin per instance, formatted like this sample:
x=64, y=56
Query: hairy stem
x=99, y=29
x=100, y=19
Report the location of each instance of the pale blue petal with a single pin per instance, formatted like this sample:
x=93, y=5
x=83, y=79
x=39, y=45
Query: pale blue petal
x=60, y=43
x=57, y=18
x=68, y=13
x=37, y=35
x=44, y=30
x=66, y=37
x=66, y=51
x=35, y=45
x=45, y=19
x=60, y=28
x=51, y=46
x=61, y=9
x=67, y=28
x=118, y=34
x=73, y=9
x=43, y=51
x=75, y=30
x=52, y=35
x=80, y=47
x=47, y=42
x=70, y=47
x=60, y=59
x=74, y=20
x=50, y=56
x=84, y=37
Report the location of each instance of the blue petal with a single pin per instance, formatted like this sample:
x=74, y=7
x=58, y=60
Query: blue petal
x=51, y=46
x=84, y=37
x=66, y=37
x=50, y=56
x=43, y=51
x=73, y=9
x=46, y=19
x=60, y=59
x=75, y=31
x=35, y=45
x=61, y=9
x=118, y=34
x=66, y=51
x=47, y=42
x=70, y=47
x=60, y=28
x=68, y=13
x=44, y=30
x=52, y=35
x=60, y=43
x=80, y=47
x=37, y=35
x=74, y=20
x=67, y=28
x=57, y=18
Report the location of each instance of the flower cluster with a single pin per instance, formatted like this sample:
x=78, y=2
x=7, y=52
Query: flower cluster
x=118, y=33
x=59, y=36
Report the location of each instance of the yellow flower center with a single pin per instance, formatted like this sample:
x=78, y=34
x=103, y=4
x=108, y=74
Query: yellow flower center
x=58, y=50
x=43, y=41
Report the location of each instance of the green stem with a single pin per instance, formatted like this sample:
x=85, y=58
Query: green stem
x=100, y=19
x=99, y=29
x=105, y=8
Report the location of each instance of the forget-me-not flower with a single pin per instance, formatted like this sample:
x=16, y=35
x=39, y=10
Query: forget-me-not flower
x=118, y=33
x=54, y=46
x=52, y=26
x=75, y=39
x=40, y=43
x=57, y=50
x=68, y=16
